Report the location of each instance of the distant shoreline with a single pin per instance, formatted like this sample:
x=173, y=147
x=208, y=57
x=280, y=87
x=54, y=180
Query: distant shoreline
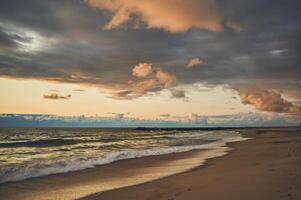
x=211, y=128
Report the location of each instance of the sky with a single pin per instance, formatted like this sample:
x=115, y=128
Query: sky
x=159, y=62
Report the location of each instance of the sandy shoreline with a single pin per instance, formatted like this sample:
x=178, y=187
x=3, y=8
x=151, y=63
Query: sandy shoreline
x=266, y=167
x=122, y=173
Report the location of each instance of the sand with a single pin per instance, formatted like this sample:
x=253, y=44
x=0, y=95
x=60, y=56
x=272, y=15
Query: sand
x=266, y=167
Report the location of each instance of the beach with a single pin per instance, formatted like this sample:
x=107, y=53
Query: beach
x=267, y=166
x=150, y=100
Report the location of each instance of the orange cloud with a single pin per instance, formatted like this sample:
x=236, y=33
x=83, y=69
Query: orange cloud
x=142, y=70
x=56, y=96
x=270, y=101
x=195, y=62
x=165, y=78
x=146, y=79
x=170, y=15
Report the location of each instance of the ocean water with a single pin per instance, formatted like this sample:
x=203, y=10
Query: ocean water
x=34, y=152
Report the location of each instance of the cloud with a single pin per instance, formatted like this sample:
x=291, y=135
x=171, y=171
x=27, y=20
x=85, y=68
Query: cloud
x=194, y=120
x=145, y=79
x=78, y=90
x=178, y=94
x=170, y=15
x=193, y=62
x=119, y=115
x=278, y=52
x=269, y=101
x=165, y=115
x=234, y=26
x=82, y=53
x=142, y=70
x=165, y=78
x=123, y=95
x=199, y=118
x=56, y=96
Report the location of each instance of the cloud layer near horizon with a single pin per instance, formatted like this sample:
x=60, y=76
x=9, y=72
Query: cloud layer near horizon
x=164, y=120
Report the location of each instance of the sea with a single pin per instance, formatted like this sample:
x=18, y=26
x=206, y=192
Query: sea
x=34, y=152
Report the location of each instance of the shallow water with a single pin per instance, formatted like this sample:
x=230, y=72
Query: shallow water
x=75, y=185
x=27, y=153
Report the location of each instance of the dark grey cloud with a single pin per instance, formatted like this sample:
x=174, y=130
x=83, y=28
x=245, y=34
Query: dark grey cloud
x=175, y=93
x=77, y=50
x=11, y=40
x=165, y=115
x=64, y=41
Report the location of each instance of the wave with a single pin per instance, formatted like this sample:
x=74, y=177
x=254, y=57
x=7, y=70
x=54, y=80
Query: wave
x=40, y=143
x=54, y=142
x=63, y=166
x=81, y=140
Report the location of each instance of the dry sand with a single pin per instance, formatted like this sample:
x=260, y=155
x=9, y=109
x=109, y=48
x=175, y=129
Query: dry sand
x=266, y=167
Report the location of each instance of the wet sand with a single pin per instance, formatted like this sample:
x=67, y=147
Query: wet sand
x=266, y=167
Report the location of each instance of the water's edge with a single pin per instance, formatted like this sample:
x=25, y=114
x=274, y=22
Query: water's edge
x=96, y=184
